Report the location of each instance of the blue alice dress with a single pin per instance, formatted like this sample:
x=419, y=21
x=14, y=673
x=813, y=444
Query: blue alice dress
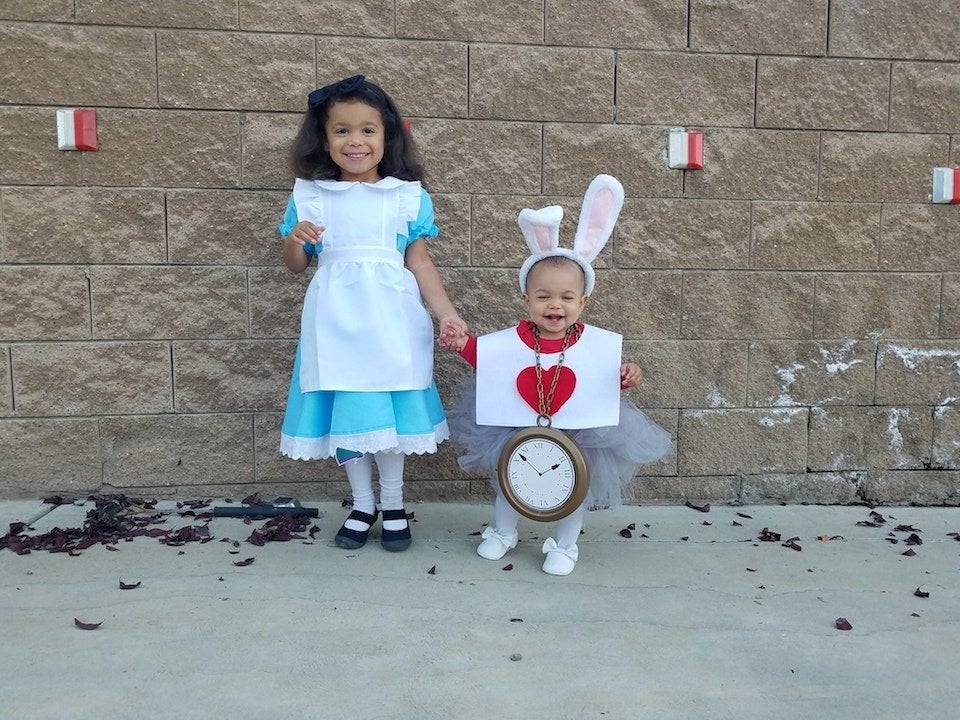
x=362, y=379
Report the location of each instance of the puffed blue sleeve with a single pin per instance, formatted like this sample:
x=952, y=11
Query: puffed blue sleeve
x=290, y=219
x=424, y=225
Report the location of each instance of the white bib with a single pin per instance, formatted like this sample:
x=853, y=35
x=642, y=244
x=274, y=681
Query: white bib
x=594, y=359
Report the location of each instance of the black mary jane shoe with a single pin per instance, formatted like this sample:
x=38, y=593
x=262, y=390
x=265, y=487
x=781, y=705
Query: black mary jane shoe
x=395, y=540
x=350, y=539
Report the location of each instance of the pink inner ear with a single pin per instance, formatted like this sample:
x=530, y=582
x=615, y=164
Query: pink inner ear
x=596, y=222
x=541, y=234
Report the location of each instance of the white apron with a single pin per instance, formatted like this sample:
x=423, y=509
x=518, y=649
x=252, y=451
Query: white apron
x=364, y=326
x=594, y=359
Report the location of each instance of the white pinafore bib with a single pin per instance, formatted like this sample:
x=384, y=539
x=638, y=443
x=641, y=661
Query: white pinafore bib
x=595, y=360
x=364, y=326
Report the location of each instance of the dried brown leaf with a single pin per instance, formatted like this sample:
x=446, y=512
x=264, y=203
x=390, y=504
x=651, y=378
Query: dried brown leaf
x=842, y=624
x=432, y=570
x=244, y=563
x=921, y=593
x=85, y=625
x=625, y=533
x=130, y=586
x=699, y=508
x=507, y=567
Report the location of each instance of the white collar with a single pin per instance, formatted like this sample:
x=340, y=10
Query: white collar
x=387, y=183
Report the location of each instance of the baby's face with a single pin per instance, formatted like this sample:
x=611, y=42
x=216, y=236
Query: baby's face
x=554, y=299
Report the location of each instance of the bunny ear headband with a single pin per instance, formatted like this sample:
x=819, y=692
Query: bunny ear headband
x=541, y=229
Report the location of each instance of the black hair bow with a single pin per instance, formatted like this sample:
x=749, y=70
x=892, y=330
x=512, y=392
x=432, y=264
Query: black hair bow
x=340, y=87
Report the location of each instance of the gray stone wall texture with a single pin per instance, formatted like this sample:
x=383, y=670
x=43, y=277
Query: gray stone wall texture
x=795, y=304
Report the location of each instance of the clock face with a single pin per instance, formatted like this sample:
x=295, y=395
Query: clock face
x=543, y=473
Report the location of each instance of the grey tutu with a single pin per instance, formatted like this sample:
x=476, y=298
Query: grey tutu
x=613, y=453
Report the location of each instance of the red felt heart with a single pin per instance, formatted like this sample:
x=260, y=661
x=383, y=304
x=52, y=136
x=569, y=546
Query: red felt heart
x=527, y=386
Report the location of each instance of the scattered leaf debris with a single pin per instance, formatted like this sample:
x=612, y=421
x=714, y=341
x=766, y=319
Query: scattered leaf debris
x=921, y=593
x=876, y=520
x=244, y=563
x=516, y=619
x=910, y=552
x=130, y=586
x=842, y=624
x=281, y=528
x=86, y=625
x=516, y=657
x=507, y=567
x=792, y=544
x=432, y=570
x=744, y=515
x=913, y=539
x=767, y=535
x=625, y=533
x=699, y=508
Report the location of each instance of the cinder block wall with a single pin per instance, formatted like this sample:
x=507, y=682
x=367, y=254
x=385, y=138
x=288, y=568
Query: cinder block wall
x=795, y=304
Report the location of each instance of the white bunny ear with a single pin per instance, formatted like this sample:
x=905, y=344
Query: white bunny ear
x=601, y=208
x=541, y=228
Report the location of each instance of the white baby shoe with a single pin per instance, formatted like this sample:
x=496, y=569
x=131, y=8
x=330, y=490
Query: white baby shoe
x=559, y=561
x=495, y=545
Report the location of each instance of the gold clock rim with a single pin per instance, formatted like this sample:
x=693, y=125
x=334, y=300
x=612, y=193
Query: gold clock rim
x=581, y=473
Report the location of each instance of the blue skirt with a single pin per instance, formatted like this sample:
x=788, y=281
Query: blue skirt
x=317, y=423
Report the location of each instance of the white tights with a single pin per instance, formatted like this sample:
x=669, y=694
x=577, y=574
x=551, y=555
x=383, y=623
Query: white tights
x=506, y=520
x=360, y=476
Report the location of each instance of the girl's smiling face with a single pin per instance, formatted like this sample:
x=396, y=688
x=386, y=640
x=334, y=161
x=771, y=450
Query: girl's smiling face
x=554, y=299
x=355, y=140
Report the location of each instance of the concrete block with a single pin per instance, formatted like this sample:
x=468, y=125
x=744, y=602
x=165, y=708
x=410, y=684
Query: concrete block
x=214, y=227
x=918, y=371
x=508, y=21
x=786, y=373
x=869, y=438
x=689, y=373
x=815, y=93
x=232, y=376
x=914, y=487
x=870, y=305
x=172, y=148
x=276, y=302
x=741, y=441
x=470, y=156
x=150, y=302
x=65, y=65
x=520, y=83
x=759, y=26
x=201, y=70
x=924, y=97
x=48, y=10
x=712, y=489
x=946, y=436
x=43, y=302
x=6, y=385
x=655, y=25
x=654, y=308
x=37, y=229
x=757, y=165
x=747, y=305
x=915, y=29
x=573, y=154
x=219, y=14
x=673, y=234
x=914, y=238
x=683, y=89
x=815, y=236
x=43, y=457
x=453, y=215
x=267, y=139
x=91, y=378
x=870, y=167
x=817, y=488
x=368, y=18
x=28, y=151
x=950, y=306
x=174, y=451
x=425, y=78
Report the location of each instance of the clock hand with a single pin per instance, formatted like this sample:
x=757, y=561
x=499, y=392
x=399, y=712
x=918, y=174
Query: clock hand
x=524, y=458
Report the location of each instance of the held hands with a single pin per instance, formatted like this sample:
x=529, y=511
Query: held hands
x=630, y=375
x=453, y=333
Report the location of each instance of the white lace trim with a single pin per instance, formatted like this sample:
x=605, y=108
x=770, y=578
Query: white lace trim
x=301, y=448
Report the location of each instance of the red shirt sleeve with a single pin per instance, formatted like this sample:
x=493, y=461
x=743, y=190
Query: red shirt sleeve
x=469, y=351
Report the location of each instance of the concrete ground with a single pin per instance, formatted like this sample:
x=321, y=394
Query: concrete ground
x=697, y=620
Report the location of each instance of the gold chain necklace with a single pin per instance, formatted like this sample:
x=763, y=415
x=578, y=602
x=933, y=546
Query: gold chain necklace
x=543, y=419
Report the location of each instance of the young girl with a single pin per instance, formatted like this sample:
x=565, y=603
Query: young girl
x=362, y=388
x=616, y=437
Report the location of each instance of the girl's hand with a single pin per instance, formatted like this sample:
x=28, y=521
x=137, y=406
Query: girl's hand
x=630, y=375
x=453, y=332
x=305, y=232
